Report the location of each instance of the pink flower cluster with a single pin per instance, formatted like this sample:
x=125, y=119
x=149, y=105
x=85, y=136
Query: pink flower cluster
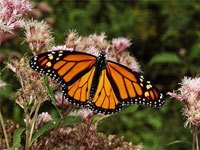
x=120, y=44
x=43, y=117
x=84, y=113
x=61, y=101
x=189, y=93
x=11, y=12
x=93, y=44
x=38, y=36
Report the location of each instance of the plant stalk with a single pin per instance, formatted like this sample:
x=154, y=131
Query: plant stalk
x=70, y=108
x=27, y=128
x=195, y=144
x=197, y=141
x=33, y=122
x=4, y=129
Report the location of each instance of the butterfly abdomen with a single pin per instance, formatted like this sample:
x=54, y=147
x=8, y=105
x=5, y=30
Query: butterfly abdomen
x=100, y=66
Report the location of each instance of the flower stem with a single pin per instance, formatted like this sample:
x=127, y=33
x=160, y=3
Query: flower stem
x=27, y=128
x=195, y=144
x=197, y=141
x=4, y=130
x=33, y=122
x=70, y=108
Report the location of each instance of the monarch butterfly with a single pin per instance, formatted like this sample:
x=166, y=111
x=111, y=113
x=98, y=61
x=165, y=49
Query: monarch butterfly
x=95, y=82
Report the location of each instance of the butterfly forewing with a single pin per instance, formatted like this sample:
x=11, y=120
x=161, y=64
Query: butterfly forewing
x=73, y=70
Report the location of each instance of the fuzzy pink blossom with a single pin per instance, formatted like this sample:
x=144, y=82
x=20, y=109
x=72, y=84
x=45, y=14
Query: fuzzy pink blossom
x=84, y=113
x=100, y=41
x=190, y=87
x=72, y=39
x=129, y=61
x=38, y=36
x=120, y=44
x=125, y=59
x=61, y=47
x=11, y=13
x=61, y=101
x=189, y=93
x=93, y=50
x=43, y=117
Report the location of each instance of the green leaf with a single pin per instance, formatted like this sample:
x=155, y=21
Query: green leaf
x=71, y=120
x=17, y=138
x=177, y=142
x=195, y=52
x=165, y=57
x=47, y=127
x=50, y=91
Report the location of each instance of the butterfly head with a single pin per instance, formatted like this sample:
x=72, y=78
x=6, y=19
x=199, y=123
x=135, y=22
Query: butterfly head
x=102, y=54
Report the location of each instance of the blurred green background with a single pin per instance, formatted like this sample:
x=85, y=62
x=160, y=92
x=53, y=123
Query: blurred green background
x=166, y=41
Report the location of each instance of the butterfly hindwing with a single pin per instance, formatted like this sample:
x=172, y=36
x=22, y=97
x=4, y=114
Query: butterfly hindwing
x=78, y=93
x=131, y=88
x=105, y=100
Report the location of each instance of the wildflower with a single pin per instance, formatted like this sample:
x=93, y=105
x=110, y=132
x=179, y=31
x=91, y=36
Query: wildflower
x=63, y=137
x=125, y=59
x=72, y=39
x=120, y=44
x=84, y=113
x=93, y=50
x=61, y=101
x=190, y=87
x=29, y=79
x=129, y=61
x=43, y=117
x=94, y=41
x=61, y=47
x=38, y=36
x=189, y=93
x=100, y=41
x=84, y=44
x=11, y=12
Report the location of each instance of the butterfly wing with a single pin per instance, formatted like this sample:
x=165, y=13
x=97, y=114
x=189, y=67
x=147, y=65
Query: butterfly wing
x=73, y=70
x=131, y=88
x=105, y=100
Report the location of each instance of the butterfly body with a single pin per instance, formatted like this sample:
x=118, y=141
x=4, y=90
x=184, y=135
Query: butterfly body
x=89, y=81
x=100, y=65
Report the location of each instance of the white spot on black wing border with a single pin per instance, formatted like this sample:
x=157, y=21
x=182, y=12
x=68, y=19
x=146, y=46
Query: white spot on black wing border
x=100, y=110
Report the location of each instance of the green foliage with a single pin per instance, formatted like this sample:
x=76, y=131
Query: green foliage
x=47, y=127
x=51, y=93
x=17, y=138
x=69, y=120
x=165, y=58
